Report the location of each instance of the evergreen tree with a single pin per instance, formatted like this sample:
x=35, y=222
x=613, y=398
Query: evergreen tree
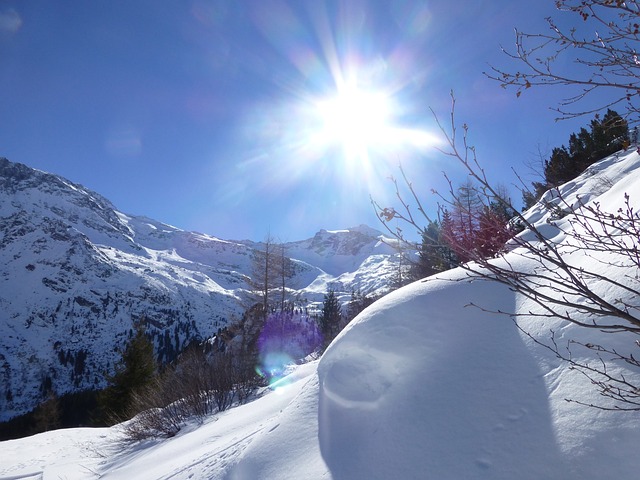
x=609, y=135
x=530, y=197
x=48, y=414
x=247, y=331
x=136, y=370
x=359, y=301
x=330, y=318
x=445, y=255
x=606, y=136
x=493, y=230
x=434, y=255
x=561, y=167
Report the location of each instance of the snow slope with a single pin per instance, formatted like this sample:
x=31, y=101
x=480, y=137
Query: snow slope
x=418, y=386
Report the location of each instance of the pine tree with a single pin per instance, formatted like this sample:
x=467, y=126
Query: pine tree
x=609, y=135
x=245, y=350
x=358, y=302
x=330, y=318
x=493, y=231
x=434, y=255
x=561, y=167
x=48, y=414
x=530, y=197
x=136, y=369
x=606, y=136
x=446, y=256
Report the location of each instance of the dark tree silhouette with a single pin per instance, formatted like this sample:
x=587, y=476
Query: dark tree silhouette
x=330, y=317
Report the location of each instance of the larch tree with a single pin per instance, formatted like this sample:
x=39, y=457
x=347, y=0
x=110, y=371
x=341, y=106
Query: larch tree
x=264, y=276
x=271, y=271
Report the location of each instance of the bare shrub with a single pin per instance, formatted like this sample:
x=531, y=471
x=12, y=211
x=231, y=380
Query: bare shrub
x=205, y=382
x=221, y=381
x=161, y=414
x=198, y=386
x=245, y=378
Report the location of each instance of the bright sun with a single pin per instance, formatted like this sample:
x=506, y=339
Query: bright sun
x=355, y=119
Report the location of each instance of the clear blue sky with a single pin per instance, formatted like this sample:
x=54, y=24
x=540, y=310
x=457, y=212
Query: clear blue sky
x=196, y=113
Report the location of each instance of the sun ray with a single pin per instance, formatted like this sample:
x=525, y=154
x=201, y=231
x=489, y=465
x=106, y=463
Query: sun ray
x=344, y=114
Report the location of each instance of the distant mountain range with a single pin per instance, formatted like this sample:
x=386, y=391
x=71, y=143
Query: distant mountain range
x=76, y=273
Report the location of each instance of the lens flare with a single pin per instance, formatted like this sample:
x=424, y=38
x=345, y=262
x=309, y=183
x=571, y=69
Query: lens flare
x=285, y=339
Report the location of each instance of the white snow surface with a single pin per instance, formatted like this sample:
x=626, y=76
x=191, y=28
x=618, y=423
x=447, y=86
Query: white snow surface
x=419, y=386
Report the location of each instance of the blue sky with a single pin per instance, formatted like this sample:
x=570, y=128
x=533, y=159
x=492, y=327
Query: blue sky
x=201, y=113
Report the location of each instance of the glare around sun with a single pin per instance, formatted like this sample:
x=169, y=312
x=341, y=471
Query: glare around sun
x=355, y=119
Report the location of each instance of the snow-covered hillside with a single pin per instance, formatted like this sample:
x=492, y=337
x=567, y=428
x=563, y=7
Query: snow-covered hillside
x=75, y=273
x=418, y=386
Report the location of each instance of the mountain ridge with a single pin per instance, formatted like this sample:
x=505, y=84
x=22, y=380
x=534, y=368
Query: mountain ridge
x=76, y=274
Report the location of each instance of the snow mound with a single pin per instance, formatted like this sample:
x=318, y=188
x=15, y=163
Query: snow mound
x=422, y=384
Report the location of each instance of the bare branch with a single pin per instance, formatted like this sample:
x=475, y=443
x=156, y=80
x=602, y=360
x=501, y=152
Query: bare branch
x=604, y=58
x=602, y=296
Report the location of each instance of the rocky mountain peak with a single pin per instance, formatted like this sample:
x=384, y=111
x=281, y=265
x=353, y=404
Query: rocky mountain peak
x=75, y=273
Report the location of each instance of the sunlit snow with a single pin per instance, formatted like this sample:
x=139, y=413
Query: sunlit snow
x=418, y=386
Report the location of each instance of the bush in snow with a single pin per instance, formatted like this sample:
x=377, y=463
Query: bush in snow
x=197, y=386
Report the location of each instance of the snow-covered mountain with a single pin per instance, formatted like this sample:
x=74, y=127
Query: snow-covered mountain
x=76, y=273
x=418, y=386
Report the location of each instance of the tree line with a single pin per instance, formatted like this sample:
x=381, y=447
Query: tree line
x=607, y=134
x=472, y=222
